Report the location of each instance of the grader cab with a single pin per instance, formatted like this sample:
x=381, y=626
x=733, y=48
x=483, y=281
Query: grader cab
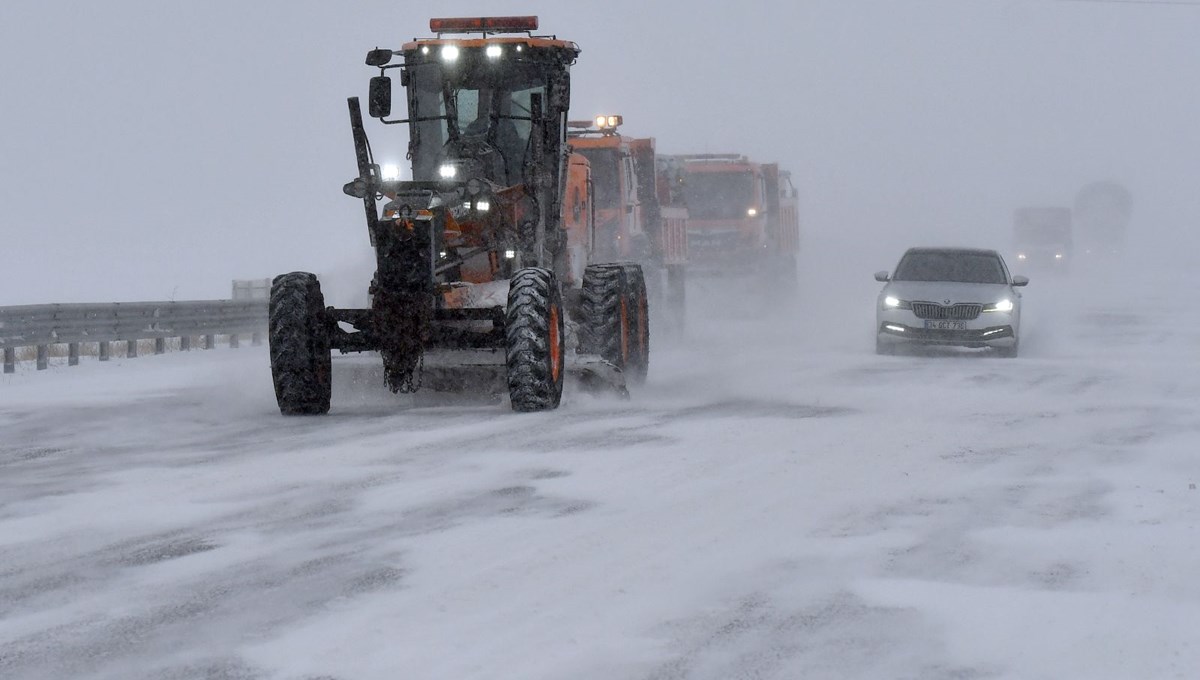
x=486, y=251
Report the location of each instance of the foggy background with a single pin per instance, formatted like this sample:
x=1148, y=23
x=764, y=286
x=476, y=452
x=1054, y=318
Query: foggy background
x=154, y=150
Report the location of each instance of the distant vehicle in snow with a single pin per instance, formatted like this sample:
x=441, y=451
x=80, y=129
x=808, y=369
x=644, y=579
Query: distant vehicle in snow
x=949, y=296
x=1042, y=237
x=743, y=217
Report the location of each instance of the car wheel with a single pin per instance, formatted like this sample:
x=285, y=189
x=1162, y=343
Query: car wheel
x=884, y=348
x=1009, y=352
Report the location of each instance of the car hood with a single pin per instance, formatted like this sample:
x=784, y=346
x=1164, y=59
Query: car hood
x=946, y=292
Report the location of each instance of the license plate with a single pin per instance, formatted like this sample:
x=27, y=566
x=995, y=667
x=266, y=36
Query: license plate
x=945, y=325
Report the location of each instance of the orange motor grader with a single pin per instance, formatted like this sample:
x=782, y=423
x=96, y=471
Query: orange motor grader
x=485, y=256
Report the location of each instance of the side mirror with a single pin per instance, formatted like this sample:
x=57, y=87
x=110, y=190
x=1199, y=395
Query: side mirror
x=379, y=99
x=378, y=57
x=882, y=277
x=1020, y=281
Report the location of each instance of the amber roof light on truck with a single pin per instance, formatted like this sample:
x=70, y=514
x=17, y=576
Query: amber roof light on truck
x=484, y=25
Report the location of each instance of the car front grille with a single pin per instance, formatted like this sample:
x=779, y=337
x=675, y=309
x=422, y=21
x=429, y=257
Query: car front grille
x=959, y=312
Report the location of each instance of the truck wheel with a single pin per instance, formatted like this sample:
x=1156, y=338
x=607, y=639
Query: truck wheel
x=535, y=341
x=301, y=365
x=638, y=303
x=606, y=328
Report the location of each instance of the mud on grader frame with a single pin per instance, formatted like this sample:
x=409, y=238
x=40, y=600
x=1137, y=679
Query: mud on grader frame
x=487, y=250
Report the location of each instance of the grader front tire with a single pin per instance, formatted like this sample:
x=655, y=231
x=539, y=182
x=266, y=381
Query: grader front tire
x=301, y=362
x=535, y=340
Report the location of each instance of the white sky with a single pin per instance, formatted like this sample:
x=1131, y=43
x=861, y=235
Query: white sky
x=158, y=149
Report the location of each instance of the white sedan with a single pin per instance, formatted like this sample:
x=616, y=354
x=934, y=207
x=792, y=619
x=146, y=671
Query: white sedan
x=949, y=296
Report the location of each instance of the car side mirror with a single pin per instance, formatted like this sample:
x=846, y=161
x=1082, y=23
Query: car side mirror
x=1020, y=281
x=882, y=276
x=379, y=99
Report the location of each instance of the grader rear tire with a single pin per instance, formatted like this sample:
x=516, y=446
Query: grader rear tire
x=535, y=341
x=301, y=362
x=638, y=364
x=606, y=327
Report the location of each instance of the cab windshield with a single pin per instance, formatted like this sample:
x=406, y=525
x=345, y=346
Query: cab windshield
x=1042, y=234
x=719, y=195
x=477, y=101
x=605, y=176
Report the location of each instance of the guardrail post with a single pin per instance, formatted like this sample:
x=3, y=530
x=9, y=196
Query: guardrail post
x=185, y=343
x=10, y=360
x=43, y=357
x=210, y=341
x=233, y=341
x=103, y=350
x=131, y=349
x=160, y=345
x=256, y=339
x=73, y=354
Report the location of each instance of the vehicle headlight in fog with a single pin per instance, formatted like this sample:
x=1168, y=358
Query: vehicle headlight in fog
x=1021, y=256
x=1058, y=256
x=390, y=172
x=891, y=301
x=1001, y=306
x=449, y=53
x=752, y=212
x=448, y=171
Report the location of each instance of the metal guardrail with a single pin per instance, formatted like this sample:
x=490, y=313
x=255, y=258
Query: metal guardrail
x=103, y=323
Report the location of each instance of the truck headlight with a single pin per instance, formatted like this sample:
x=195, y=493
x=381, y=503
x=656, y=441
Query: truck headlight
x=448, y=171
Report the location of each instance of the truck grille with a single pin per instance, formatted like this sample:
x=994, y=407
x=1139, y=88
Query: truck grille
x=959, y=312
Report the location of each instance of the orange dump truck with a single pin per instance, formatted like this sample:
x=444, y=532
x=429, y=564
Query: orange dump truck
x=635, y=218
x=743, y=216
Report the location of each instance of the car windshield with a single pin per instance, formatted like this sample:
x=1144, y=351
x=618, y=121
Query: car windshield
x=959, y=267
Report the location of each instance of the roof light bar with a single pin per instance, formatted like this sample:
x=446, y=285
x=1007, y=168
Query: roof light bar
x=484, y=24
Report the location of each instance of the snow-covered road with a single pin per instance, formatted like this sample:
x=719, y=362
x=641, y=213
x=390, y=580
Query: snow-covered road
x=777, y=502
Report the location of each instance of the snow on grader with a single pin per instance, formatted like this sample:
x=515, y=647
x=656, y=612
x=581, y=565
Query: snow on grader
x=484, y=258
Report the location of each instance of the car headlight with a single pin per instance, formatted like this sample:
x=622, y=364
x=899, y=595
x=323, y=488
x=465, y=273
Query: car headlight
x=1005, y=305
x=892, y=302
